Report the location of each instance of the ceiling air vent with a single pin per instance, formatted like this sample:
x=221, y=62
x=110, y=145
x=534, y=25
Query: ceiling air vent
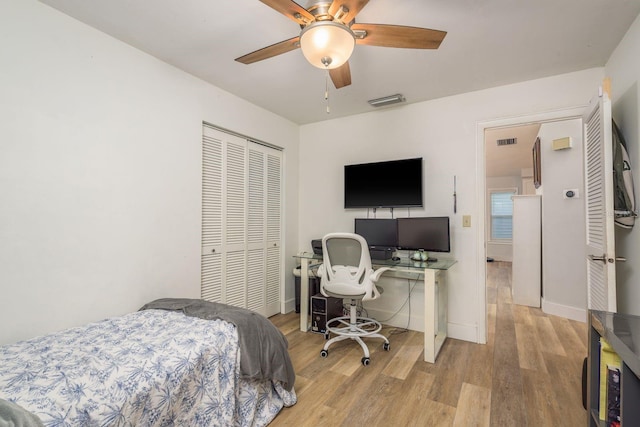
x=387, y=100
x=507, y=141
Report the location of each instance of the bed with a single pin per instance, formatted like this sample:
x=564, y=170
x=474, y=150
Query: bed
x=175, y=362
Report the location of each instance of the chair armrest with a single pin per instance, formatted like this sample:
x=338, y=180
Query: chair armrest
x=376, y=275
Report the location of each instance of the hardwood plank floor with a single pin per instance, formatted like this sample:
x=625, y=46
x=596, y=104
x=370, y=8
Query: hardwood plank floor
x=528, y=373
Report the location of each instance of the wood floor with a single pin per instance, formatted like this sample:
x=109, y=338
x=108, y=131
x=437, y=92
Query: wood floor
x=528, y=373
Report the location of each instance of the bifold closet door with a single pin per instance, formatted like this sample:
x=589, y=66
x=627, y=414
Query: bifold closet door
x=241, y=222
x=264, y=229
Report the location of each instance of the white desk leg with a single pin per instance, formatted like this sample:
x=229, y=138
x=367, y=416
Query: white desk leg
x=442, y=320
x=429, y=315
x=304, y=294
x=435, y=313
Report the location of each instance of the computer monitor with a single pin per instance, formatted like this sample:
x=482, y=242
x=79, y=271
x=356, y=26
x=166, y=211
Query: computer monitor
x=378, y=232
x=428, y=233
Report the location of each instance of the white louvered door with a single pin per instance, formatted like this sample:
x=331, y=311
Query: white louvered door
x=600, y=245
x=212, y=215
x=235, y=226
x=256, y=231
x=274, y=231
x=241, y=248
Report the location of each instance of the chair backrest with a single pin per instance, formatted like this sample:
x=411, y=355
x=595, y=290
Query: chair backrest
x=346, y=269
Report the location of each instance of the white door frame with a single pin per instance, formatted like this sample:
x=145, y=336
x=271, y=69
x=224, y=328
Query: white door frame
x=481, y=262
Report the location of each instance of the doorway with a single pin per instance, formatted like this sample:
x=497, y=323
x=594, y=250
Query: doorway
x=509, y=172
x=499, y=128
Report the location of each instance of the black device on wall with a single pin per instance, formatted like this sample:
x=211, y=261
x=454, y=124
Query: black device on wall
x=429, y=233
x=396, y=183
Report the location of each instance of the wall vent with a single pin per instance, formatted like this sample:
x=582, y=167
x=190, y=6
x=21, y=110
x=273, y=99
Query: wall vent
x=507, y=141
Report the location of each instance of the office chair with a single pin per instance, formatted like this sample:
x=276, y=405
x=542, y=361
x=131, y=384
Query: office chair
x=347, y=273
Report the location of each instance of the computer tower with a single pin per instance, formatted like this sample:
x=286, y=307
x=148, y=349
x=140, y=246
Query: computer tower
x=324, y=309
x=314, y=288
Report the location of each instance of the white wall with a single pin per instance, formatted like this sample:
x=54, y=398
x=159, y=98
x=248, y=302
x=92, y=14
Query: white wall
x=564, y=274
x=100, y=172
x=444, y=133
x=624, y=70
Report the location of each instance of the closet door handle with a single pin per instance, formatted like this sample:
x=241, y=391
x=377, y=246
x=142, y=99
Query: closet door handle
x=604, y=259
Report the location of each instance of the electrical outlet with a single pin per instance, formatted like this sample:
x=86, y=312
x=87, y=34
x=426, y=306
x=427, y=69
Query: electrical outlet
x=466, y=220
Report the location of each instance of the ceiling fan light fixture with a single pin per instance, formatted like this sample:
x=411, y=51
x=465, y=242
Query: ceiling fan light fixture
x=327, y=44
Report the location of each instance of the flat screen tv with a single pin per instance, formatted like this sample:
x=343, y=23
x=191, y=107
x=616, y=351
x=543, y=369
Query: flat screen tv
x=378, y=232
x=391, y=184
x=428, y=233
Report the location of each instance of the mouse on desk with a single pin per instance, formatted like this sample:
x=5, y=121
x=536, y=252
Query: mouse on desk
x=395, y=258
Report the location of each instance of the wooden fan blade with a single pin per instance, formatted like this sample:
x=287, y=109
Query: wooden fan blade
x=270, y=51
x=353, y=7
x=341, y=76
x=399, y=36
x=291, y=10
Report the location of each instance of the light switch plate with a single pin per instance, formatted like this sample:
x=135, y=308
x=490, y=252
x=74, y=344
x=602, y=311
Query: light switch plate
x=466, y=220
x=562, y=143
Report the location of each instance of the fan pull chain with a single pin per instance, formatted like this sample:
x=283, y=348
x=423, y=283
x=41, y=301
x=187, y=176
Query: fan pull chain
x=326, y=91
x=326, y=61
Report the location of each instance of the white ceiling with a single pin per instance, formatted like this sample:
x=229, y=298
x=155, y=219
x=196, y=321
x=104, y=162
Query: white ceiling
x=489, y=43
x=509, y=160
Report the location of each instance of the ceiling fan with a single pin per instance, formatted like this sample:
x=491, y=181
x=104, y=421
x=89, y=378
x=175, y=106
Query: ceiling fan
x=329, y=33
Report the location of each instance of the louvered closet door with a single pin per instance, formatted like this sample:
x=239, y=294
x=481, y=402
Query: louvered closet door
x=600, y=245
x=256, y=232
x=274, y=231
x=223, y=274
x=235, y=227
x=212, y=215
x=241, y=251
x=263, y=237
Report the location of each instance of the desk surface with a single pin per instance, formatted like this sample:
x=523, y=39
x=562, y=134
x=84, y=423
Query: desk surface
x=622, y=331
x=435, y=295
x=403, y=264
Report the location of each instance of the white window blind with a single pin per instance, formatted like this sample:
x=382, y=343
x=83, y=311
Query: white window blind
x=501, y=214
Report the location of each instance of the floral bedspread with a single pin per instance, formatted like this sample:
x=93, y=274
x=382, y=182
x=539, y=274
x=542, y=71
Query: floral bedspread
x=148, y=368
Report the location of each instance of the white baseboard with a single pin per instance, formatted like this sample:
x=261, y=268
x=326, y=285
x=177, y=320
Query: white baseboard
x=416, y=323
x=573, y=313
x=289, y=305
x=464, y=332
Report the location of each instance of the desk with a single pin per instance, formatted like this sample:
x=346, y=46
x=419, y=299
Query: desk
x=435, y=296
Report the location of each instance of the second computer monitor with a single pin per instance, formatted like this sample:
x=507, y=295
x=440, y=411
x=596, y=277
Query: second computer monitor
x=428, y=233
x=378, y=232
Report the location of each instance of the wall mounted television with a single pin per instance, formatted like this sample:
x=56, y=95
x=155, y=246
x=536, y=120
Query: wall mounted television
x=390, y=184
x=429, y=233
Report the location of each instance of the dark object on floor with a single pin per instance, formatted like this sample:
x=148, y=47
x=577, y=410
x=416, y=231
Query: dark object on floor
x=584, y=383
x=489, y=259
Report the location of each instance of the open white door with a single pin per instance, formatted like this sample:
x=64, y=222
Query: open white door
x=601, y=267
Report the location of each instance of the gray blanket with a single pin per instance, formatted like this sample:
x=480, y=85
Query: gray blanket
x=12, y=415
x=263, y=348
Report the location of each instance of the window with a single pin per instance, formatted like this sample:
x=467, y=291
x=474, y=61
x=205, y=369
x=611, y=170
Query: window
x=501, y=214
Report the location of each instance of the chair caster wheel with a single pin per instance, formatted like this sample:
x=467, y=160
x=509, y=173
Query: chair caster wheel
x=366, y=361
x=386, y=346
x=324, y=353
